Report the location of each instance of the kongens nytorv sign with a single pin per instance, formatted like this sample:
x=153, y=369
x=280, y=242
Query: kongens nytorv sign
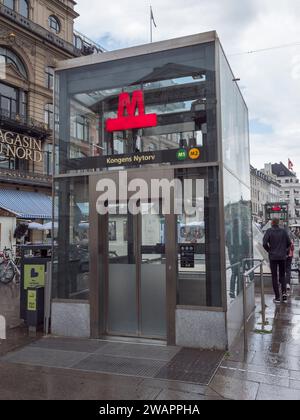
x=20, y=146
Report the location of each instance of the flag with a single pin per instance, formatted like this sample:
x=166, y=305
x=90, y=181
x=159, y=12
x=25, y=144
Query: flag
x=291, y=165
x=152, y=17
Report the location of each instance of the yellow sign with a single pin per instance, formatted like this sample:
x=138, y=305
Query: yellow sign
x=194, y=154
x=34, y=275
x=31, y=300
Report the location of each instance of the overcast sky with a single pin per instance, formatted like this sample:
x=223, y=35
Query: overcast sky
x=270, y=80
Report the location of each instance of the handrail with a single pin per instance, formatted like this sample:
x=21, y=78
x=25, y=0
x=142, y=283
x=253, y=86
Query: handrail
x=263, y=306
x=233, y=265
x=247, y=274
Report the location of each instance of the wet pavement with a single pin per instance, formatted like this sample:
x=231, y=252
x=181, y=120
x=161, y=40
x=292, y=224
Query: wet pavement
x=270, y=370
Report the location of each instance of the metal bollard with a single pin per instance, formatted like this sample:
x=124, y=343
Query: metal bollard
x=2, y=328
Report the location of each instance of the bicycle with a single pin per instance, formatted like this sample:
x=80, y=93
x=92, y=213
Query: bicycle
x=8, y=269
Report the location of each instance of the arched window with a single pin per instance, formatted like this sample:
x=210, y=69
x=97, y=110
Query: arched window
x=13, y=102
x=24, y=8
x=11, y=58
x=54, y=24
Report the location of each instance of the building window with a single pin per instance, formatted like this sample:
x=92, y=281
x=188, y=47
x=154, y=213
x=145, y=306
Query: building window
x=54, y=24
x=48, y=159
x=13, y=102
x=78, y=43
x=49, y=115
x=49, y=79
x=10, y=3
x=24, y=8
x=81, y=128
x=12, y=59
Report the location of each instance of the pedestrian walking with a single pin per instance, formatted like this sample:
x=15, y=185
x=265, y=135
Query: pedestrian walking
x=277, y=243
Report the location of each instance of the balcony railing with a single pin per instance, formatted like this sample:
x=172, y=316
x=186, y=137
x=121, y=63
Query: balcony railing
x=86, y=45
x=26, y=23
x=29, y=178
x=23, y=123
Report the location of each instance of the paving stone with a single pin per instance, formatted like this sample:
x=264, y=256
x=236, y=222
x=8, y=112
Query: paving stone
x=169, y=395
x=272, y=392
x=45, y=357
x=234, y=389
x=70, y=344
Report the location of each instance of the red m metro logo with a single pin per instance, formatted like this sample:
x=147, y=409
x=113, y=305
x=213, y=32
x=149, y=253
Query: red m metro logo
x=131, y=120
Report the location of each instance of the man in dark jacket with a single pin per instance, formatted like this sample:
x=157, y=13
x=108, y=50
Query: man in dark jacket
x=277, y=243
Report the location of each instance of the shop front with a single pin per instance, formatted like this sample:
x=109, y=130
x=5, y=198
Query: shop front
x=153, y=195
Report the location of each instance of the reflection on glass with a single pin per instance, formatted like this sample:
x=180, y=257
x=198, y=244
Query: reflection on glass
x=235, y=129
x=122, y=290
x=72, y=247
x=238, y=232
x=153, y=274
x=191, y=241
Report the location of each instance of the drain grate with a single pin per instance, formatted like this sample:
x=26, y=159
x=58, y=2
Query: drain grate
x=139, y=351
x=120, y=365
x=191, y=365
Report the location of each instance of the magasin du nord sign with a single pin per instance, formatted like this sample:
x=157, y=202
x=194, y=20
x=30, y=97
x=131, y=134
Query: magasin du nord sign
x=20, y=146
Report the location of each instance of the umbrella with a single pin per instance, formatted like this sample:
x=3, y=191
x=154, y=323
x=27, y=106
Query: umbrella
x=35, y=226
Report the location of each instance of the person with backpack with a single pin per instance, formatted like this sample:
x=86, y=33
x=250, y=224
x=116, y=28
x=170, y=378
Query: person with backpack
x=277, y=243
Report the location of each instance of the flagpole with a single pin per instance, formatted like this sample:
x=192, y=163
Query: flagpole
x=151, y=33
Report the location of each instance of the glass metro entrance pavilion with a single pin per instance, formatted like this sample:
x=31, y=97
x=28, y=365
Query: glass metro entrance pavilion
x=170, y=110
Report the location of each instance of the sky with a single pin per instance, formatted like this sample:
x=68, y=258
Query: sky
x=270, y=79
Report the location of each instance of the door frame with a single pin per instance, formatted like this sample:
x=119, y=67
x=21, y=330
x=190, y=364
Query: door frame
x=99, y=253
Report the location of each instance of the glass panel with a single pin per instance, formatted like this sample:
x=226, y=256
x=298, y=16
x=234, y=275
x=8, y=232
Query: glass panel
x=238, y=232
x=235, y=128
x=153, y=275
x=198, y=270
x=178, y=85
x=122, y=304
x=71, y=279
x=191, y=257
x=122, y=314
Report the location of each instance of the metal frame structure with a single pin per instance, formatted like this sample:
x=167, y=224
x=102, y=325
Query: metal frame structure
x=99, y=238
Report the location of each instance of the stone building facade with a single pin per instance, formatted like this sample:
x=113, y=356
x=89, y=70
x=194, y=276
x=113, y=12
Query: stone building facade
x=264, y=189
x=289, y=189
x=34, y=36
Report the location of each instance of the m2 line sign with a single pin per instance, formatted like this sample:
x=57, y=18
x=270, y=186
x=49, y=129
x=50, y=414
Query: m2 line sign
x=20, y=146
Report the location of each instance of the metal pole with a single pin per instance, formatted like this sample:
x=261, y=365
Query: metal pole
x=263, y=303
x=48, y=290
x=245, y=313
x=151, y=35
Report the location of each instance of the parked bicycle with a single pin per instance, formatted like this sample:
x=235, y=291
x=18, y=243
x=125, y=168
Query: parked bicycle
x=9, y=270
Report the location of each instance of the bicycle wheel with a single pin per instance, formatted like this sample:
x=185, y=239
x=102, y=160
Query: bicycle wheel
x=7, y=273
